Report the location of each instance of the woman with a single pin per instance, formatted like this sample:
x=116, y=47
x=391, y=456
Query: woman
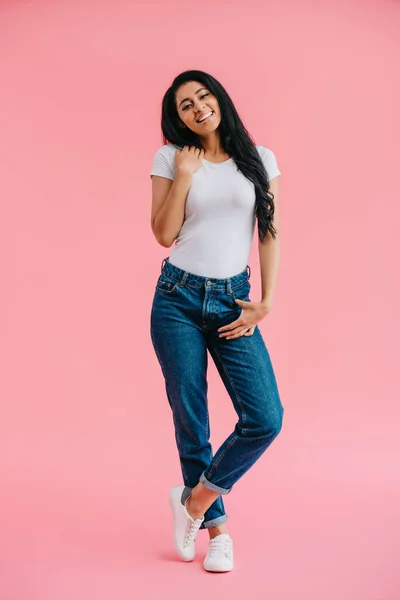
x=210, y=184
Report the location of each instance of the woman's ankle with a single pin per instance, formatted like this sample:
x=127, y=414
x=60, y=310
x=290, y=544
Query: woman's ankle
x=193, y=509
x=200, y=500
x=214, y=531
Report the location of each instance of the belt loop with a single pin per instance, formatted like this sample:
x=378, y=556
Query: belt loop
x=249, y=271
x=228, y=286
x=183, y=280
x=163, y=263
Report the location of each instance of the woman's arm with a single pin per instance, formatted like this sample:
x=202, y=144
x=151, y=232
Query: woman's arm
x=168, y=206
x=254, y=312
x=269, y=253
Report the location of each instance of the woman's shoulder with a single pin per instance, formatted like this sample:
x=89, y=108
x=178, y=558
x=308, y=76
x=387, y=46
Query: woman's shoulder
x=269, y=160
x=167, y=150
x=264, y=151
x=163, y=161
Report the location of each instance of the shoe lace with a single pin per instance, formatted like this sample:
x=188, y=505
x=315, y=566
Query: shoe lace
x=218, y=547
x=191, y=533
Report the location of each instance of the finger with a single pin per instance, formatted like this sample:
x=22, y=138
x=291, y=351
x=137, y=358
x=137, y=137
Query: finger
x=232, y=325
x=240, y=333
x=250, y=331
x=231, y=330
x=236, y=331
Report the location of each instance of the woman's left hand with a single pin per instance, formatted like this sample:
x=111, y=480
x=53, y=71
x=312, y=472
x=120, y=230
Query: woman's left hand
x=252, y=313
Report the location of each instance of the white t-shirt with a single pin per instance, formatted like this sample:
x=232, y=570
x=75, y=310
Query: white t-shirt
x=216, y=236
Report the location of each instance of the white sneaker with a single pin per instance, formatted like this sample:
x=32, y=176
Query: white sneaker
x=220, y=554
x=185, y=527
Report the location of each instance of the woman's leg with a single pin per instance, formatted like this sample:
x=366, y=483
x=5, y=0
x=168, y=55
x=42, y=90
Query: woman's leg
x=246, y=370
x=181, y=350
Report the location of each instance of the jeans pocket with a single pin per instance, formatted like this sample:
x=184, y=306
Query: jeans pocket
x=166, y=285
x=241, y=292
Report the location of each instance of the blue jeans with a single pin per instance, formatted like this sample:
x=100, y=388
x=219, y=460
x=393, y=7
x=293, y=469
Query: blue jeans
x=187, y=310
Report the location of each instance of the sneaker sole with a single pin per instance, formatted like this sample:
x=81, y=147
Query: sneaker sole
x=174, y=497
x=218, y=570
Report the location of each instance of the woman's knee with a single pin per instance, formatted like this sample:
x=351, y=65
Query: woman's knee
x=267, y=425
x=273, y=427
x=278, y=423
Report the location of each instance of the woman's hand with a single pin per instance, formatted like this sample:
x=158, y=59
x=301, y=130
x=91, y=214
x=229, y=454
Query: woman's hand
x=189, y=159
x=252, y=313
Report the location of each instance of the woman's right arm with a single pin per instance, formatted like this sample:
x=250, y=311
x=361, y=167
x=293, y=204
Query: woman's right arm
x=169, y=197
x=168, y=206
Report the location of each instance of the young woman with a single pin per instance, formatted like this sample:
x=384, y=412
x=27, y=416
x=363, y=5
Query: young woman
x=210, y=184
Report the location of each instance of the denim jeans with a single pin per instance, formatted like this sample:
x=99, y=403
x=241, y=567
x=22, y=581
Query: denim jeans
x=186, y=312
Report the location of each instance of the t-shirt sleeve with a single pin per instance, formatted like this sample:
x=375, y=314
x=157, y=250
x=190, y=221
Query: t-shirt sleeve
x=163, y=164
x=269, y=161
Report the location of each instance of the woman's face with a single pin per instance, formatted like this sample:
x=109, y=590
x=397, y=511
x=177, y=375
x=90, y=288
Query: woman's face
x=194, y=101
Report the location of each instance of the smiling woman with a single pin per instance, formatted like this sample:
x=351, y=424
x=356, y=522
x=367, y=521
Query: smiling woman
x=210, y=185
x=221, y=136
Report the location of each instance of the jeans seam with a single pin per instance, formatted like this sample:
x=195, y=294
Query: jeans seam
x=221, y=456
x=237, y=287
x=171, y=292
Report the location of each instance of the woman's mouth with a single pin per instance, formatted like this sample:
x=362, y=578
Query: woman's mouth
x=206, y=117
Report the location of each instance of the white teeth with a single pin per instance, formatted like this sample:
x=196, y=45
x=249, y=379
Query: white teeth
x=205, y=117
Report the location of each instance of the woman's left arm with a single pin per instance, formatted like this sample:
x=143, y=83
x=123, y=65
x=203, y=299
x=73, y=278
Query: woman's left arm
x=269, y=253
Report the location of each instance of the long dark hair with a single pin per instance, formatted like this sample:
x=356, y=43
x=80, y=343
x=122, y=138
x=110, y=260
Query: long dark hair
x=235, y=140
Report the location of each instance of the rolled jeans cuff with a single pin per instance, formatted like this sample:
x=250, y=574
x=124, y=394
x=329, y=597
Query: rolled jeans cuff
x=211, y=486
x=215, y=522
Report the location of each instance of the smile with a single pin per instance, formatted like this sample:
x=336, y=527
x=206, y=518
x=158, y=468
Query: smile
x=205, y=117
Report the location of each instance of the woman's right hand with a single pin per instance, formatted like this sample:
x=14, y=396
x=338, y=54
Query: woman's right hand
x=189, y=159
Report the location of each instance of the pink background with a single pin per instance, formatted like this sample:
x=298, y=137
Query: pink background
x=87, y=452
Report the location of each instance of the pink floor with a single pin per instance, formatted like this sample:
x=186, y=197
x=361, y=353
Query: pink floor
x=316, y=538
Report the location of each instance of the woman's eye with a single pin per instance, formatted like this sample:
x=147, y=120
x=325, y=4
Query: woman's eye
x=203, y=96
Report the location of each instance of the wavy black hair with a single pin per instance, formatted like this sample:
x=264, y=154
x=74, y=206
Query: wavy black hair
x=235, y=140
